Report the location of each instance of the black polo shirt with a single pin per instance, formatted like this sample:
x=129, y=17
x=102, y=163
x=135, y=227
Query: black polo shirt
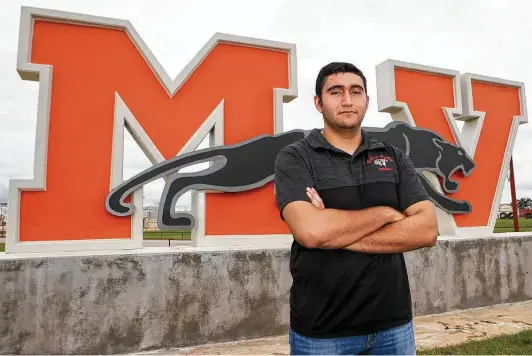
x=336, y=292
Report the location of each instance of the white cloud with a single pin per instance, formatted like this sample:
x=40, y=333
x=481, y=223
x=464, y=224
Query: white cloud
x=485, y=37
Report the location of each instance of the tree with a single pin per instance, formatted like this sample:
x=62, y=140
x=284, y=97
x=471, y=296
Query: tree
x=525, y=202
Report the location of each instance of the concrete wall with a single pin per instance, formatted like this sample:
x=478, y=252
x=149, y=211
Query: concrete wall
x=468, y=273
x=119, y=303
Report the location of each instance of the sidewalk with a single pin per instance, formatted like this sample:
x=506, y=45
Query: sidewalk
x=431, y=331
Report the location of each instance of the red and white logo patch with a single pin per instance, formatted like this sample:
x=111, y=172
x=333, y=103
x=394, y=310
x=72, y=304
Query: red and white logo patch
x=381, y=161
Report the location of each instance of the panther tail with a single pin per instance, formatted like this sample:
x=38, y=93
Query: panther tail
x=115, y=201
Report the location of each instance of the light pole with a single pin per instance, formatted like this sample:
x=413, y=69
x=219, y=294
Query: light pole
x=514, y=199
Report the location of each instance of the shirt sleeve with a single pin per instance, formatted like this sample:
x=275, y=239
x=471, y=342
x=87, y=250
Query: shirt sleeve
x=411, y=188
x=292, y=177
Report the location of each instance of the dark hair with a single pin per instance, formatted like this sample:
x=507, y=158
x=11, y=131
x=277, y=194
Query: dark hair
x=337, y=67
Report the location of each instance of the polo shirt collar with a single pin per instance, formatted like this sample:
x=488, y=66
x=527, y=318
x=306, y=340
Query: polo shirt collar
x=316, y=140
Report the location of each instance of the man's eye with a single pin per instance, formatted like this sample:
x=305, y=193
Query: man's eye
x=357, y=92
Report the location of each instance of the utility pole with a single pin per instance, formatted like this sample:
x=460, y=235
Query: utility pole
x=514, y=199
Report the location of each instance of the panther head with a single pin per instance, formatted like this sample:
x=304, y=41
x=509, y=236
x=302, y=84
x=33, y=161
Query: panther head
x=451, y=159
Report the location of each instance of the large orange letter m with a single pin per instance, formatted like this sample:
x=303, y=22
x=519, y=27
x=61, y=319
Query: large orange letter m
x=96, y=77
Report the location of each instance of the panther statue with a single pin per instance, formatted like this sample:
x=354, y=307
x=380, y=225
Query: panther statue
x=256, y=157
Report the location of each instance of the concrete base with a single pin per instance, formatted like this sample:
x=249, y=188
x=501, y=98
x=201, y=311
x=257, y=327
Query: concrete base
x=173, y=297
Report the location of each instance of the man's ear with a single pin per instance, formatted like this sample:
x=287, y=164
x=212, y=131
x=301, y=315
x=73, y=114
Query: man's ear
x=367, y=102
x=317, y=103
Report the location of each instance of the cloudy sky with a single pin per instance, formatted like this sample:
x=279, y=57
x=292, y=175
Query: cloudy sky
x=489, y=37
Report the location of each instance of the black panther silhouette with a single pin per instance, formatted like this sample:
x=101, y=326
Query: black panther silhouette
x=250, y=164
x=430, y=152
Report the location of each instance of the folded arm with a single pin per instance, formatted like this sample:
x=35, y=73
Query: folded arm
x=314, y=227
x=419, y=229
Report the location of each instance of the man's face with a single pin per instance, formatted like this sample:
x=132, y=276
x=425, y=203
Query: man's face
x=343, y=101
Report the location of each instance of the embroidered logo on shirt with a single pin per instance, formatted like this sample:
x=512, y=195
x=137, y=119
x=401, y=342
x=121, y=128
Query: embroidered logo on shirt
x=381, y=161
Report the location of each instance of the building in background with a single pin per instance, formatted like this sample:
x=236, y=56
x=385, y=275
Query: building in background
x=3, y=219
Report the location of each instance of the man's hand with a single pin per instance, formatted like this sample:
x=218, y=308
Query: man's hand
x=315, y=198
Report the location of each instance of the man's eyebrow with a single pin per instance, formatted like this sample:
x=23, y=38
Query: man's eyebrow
x=338, y=86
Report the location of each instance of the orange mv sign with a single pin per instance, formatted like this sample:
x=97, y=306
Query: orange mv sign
x=97, y=77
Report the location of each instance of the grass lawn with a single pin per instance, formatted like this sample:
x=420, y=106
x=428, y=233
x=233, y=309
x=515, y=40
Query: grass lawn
x=507, y=225
x=515, y=344
x=167, y=234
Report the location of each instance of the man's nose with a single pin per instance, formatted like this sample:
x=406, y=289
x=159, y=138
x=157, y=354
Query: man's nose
x=346, y=100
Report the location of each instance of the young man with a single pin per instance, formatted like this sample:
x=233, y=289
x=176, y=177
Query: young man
x=353, y=205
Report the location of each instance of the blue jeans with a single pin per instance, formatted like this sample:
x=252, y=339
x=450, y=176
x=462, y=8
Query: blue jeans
x=399, y=340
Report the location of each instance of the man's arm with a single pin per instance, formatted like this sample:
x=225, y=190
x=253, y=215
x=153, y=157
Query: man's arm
x=418, y=230
x=311, y=226
x=331, y=228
